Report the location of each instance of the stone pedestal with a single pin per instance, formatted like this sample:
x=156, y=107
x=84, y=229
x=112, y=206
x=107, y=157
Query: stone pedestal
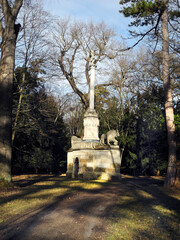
x=88, y=158
x=91, y=126
x=98, y=162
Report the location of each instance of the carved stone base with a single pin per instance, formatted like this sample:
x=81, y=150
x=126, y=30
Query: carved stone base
x=94, y=163
x=91, y=126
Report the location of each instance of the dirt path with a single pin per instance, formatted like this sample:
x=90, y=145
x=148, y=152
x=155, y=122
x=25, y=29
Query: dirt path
x=78, y=216
x=86, y=213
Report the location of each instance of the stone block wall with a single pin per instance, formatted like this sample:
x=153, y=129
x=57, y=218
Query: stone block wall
x=94, y=163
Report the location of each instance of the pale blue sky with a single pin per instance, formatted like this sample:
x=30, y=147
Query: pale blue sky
x=87, y=10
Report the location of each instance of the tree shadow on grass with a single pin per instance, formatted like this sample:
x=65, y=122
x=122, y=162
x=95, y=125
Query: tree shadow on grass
x=138, y=208
x=42, y=183
x=84, y=206
x=25, y=182
x=146, y=211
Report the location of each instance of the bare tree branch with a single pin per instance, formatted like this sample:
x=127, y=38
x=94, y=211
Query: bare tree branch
x=1, y=29
x=142, y=37
x=70, y=79
x=16, y=7
x=6, y=9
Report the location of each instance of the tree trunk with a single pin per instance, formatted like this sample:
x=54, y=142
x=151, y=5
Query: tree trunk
x=18, y=108
x=6, y=81
x=169, y=112
x=8, y=45
x=138, y=149
x=138, y=139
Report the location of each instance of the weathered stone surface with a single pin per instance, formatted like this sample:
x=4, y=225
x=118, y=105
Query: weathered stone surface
x=110, y=137
x=91, y=126
x=95, y=162
x=75, y=141
x=89, y=157
x=76, y=145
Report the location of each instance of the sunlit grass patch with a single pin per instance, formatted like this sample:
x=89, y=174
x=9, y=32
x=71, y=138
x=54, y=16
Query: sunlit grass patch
x=18, y=206
x=139, y=213
x=83, y=184
x=145, y=194
x=129, y=223
x=137, y=216
x=127, y=199
x=38, y=191
x=136, y=223
x=158, y=177
x=127, y=176
x=164, y=211
x=86, y=185
x=173, y=192
x=5, y=185
x=48, y=193
x=43, y=183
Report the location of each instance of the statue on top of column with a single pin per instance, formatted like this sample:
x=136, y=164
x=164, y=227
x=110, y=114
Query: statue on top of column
x=93, y=63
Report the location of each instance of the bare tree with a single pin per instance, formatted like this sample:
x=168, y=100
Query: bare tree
x=157, y=14
x=169, y=111
x=72, y=43
x=31, y=47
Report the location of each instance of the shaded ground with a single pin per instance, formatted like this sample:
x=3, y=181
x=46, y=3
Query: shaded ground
x=101, y=213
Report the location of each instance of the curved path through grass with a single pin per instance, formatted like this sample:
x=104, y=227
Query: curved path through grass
x=53, y=207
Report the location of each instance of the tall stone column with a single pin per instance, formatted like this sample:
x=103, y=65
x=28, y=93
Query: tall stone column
x=92, y=82
x=91, y=121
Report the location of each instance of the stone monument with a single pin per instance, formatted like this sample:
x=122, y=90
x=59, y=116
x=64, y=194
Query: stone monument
x=90, y=157
x=91, y=121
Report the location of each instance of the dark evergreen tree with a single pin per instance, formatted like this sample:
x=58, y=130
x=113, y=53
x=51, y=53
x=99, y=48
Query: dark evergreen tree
x=156, y=14
x=41, y=138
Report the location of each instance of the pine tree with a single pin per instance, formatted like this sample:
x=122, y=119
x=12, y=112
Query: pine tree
x=152, y=15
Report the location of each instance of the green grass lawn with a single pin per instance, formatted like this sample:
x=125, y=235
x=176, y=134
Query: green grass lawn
x=146, y=213
x=149, y=212
x=29, y=192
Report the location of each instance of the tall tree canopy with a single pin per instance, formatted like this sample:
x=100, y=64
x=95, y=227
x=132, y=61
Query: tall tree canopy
x=72, y=43
x=41, y=138
x=8, y=34
x=156, y=15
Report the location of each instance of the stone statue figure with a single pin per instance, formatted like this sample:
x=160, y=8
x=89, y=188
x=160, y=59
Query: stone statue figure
x=93, y=64
x=92, y=81
x=75, y=141
x=110, y=136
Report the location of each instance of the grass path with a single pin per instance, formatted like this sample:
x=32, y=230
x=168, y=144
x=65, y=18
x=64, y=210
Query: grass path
x=146, y=211
x=33, y=191
x=135, y=208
